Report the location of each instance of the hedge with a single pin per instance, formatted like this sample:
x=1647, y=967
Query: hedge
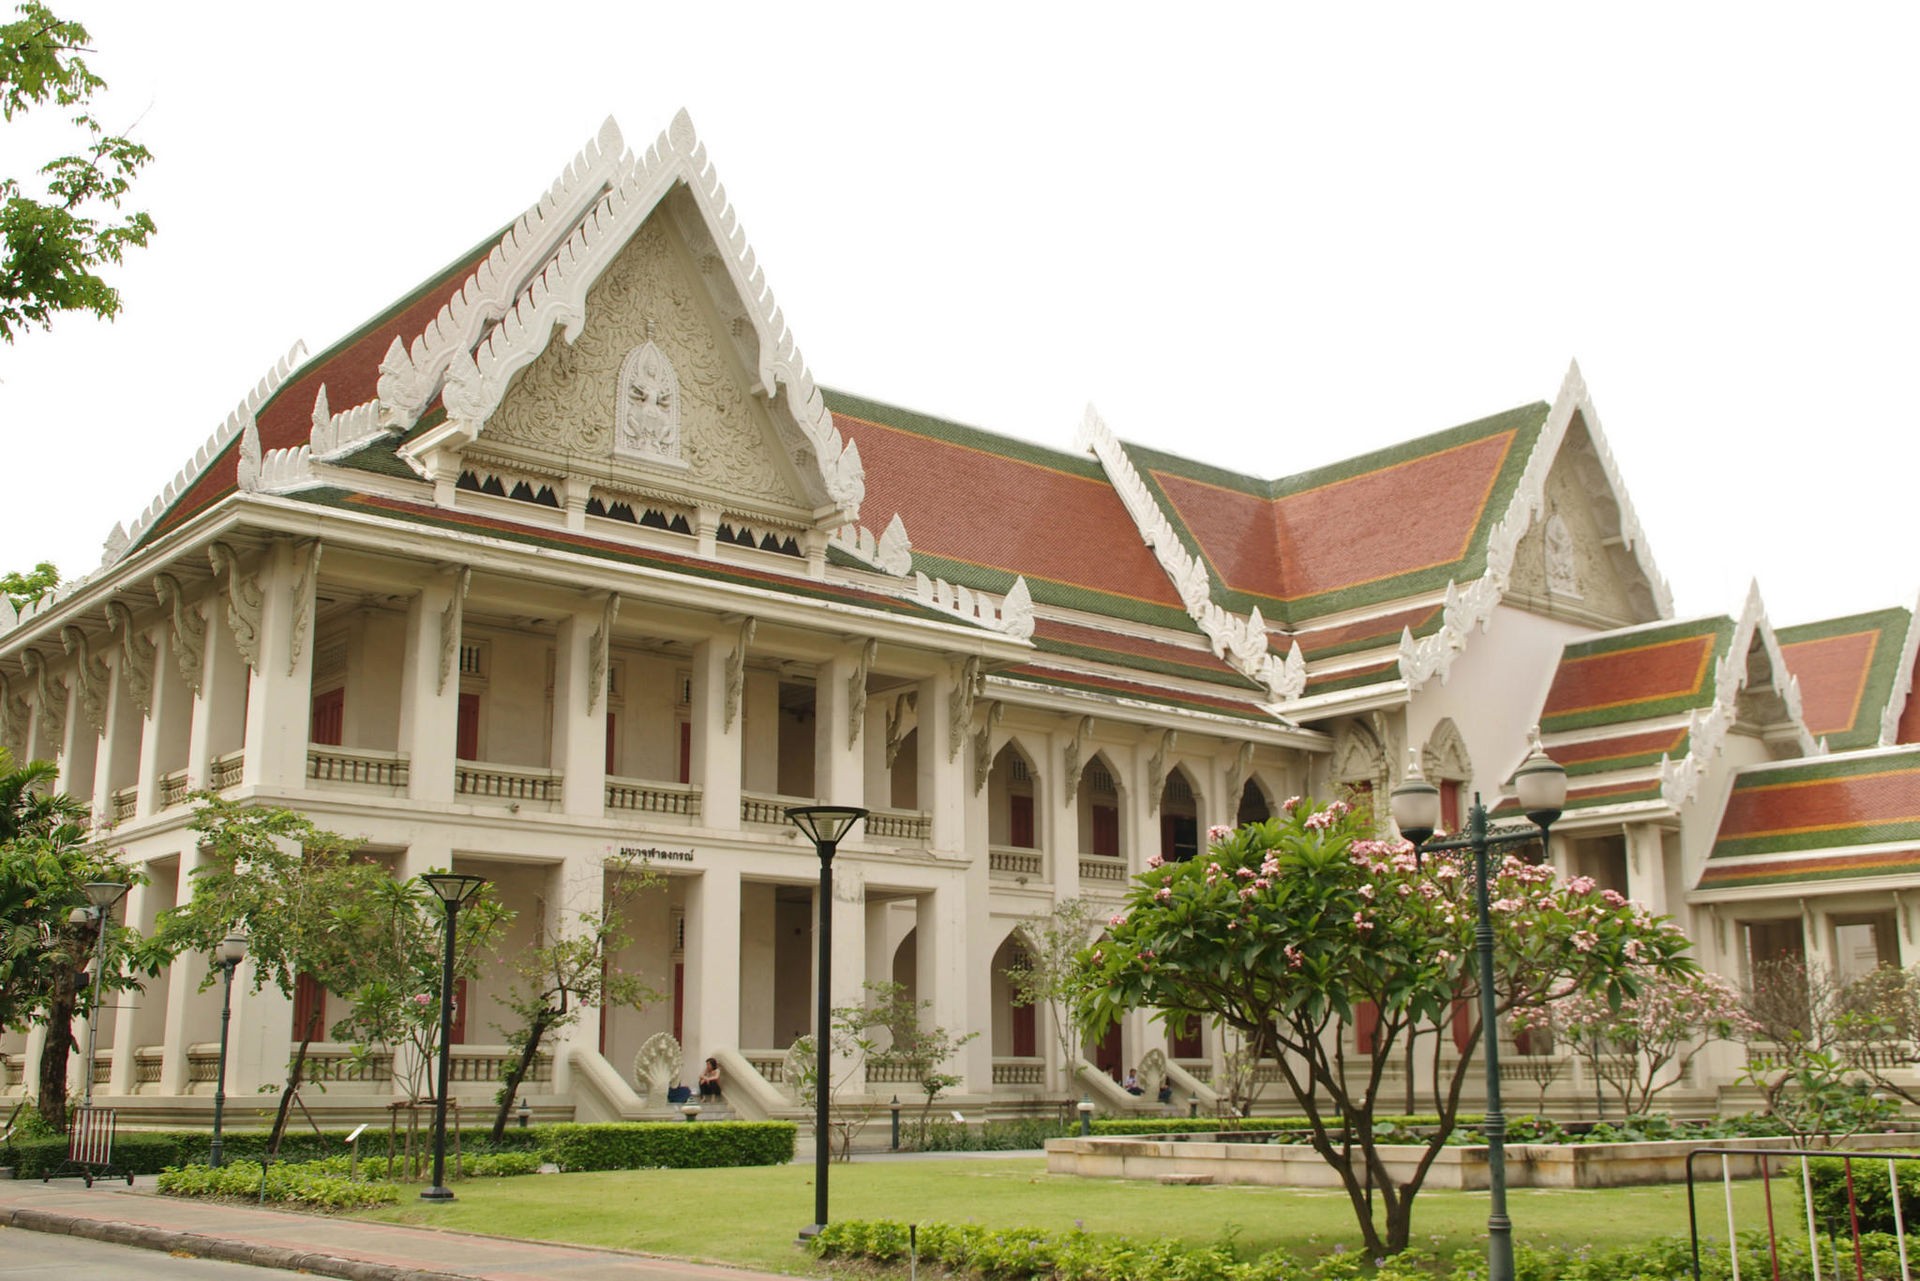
x=1234, y=1124
x=669, y=1145
x=305, y=1183
x=619, y=1146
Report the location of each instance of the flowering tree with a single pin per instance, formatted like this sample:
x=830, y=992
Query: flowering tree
x=1642, y=1046
x=1287, y=926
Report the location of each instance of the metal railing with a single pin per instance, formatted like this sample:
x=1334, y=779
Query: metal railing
x=639, y=796
x=504, y=783
x=1836, y=1226
x=355, y=766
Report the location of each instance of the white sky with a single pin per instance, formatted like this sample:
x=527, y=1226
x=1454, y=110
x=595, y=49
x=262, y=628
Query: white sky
x=1264, y=238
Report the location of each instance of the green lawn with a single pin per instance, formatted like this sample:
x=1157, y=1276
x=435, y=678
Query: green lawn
x=750, y=1216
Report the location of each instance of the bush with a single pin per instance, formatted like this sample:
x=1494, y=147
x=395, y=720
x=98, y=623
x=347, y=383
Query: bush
x=1023, y=1134
x=1872, y=1191
x=289, y=1183
x=670, y=1145
x=1281, y=1124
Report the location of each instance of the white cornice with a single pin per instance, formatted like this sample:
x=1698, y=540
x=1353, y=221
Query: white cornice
x=1472, y=606
x=556, y=296
x=1241, y=642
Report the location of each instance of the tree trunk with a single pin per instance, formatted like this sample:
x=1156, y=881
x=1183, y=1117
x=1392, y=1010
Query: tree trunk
x=56, y=1052
x=517, y=1075
x=286, y=1096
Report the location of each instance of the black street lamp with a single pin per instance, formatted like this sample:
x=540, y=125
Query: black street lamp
x=825, y=826
x=1542, y=787
x=102, y=895
x=454, y=889
x=231, y=951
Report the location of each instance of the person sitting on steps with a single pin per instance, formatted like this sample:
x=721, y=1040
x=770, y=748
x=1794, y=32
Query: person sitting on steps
x=710, y=1080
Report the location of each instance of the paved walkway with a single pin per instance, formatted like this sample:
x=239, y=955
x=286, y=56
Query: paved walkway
x=323, y=1246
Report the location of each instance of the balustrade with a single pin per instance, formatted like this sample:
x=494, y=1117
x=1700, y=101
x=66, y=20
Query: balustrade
x=124, y=803
x=173, y=789
x=502, y=783
x=146, y=1065
x=1022, y=1071
x=488, y=1064
x=226, y=771
x=1009, y=861
x=357, y=767
x=900, y=825
x=770, y=1064
x=638, y=796
x=1095, y=867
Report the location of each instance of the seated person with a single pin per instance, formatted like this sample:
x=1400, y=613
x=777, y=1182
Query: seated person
x=710, y=1080
x=1166, y=1089
x=1133, y=1082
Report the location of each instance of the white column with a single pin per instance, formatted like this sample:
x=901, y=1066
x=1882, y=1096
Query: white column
x=140, y=913
x=580, y=885
x=161, y=712
x=943, y=769
x=183, y=984
x=79, y=749
x=712, y=994
x=280, y=691
x=111, y=718
x=760, y=741
x=430, y=692
x=849, y=949
x=1646, y=867
x=838, y=767
x=715, y=745
x=580, y=715
x=218, y=725
x=1060, y=826
x=1142, y=837
x=944, y=963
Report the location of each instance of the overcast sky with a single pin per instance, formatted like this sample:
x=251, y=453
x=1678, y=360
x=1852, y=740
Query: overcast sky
x=1267, y=238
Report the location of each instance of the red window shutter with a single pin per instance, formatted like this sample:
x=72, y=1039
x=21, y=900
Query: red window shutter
x=329, y=717
x=1106, y=831
x=1020, y=822
x=1450, y=806
x=613, y=739
x=686, y=751
x=309, y=1008
x=1025, y=1039
x=679, y=1000
x=467, y=736
x=1366, y=1021
x=459, y=1036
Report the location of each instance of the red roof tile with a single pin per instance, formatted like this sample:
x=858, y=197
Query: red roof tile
x=1833, y=673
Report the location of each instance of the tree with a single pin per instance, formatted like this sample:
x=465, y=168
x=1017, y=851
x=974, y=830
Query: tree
x=54, y=243
x=22, y=590
x=923, y=1048
x=1290, y=925
x=1641, y=1047
x=572, y=971
x=1818, y=1046
x=297, y=892
x=47, y=932
x=1047, y=972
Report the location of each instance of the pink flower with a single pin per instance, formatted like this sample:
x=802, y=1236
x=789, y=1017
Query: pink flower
x=1246, y=892
x=1444, y=955
x=1218, y=832
x=1099, y=957
x=1295, y=958
x=1117, y=919
x=1162, y=894
x=1233, y=925
x=1146, y=954
x=1290, y=802
x=1263, y=884
x=1584, y=941
x=1361, y=923
x=1366, y=892
x=1581, y=885
x=1320, y=821
x=1507, y=905
x=1244, y=873
x=423, y=999
x=1612, y=899
x=1154, y=860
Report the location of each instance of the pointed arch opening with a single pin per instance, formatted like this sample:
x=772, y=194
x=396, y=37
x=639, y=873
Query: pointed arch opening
x=1179, y=817
x=1102, y=830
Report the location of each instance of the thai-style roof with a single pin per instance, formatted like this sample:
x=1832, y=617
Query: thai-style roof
x=1848, y=670
x=1835, y=817
x=1636, y=675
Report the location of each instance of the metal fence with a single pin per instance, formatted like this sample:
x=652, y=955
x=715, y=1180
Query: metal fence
x=1780, y=1231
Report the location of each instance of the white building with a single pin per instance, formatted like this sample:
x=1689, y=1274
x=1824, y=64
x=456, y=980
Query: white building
x=566, y=552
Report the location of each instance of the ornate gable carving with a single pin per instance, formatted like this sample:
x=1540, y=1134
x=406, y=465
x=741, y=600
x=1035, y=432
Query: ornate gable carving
x=649, y=383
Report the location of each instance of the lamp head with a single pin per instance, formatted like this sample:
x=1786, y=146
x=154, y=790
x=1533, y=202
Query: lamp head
x=232, y=949
x=1541, y=783
x=825, y=825
x=104, y=894
x=1415, y=803
x=454, y=888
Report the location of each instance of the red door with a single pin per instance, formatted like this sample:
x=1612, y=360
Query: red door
x=329, y=717
x=1020, y=822
x=467, y=736
x=309, y=1008
x=613, y=739
x=1106, y=831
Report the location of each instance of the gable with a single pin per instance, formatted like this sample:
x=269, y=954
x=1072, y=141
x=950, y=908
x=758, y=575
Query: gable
x=689, y=427
x=1571, y=562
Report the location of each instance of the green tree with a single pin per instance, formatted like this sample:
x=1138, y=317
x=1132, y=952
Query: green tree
x=294, y=889
x=47, y=931
x=22, y=590
x=923, y=1048
x=53, y=241
x=1047, y=974
x=571, y=971
x=1285, y=928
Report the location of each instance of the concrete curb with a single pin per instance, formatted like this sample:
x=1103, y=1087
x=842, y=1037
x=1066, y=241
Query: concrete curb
x=147, y=1237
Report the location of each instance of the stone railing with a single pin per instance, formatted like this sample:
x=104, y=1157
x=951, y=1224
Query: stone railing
x=1012, y=861
x=1019, y=1071
x=886, y=1071
x=1198, y=1069
x=102, y=1067
x=503, y=783
x=226, y=771
x=769, y=810
x=146, y=1065
x=486, y=1063
x=173, y=789
x=125, y=801
x=638, y=796
x=12, y=1073
x=356, y=767
x=338, y=1066
x=770, y=1064
x=900, y=825
x=1096, y=867
x=203, y=1064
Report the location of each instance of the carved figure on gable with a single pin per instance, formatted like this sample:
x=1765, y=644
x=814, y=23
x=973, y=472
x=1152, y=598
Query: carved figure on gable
x=647, y=408
x=1563, y=576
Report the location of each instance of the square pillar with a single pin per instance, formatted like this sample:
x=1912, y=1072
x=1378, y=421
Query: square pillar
x=580, y=712
x=838, y=764
x=943, y=962
x=1060, y=822
x=279, y=709
x=715, y=745
x=943, y=767
x=217, y=724
x=1646, y=867
x=711, y=1018
x=183, y=984
x=164, y=713
x=141, y=909
x=430, y=691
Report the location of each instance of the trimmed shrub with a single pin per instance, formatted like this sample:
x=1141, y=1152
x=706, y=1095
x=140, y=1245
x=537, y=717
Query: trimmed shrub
x=671, y=1145
x=289, y=1183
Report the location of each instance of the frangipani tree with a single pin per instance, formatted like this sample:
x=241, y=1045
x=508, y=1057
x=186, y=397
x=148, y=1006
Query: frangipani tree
x=1285, y=928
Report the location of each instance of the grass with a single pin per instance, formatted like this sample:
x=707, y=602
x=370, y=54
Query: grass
x=749, y=1216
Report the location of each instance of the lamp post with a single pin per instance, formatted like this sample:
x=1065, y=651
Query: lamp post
x=825, y=826
x=454, y=889
x=1542, y=787
x=231, y=951
x=102, y=895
